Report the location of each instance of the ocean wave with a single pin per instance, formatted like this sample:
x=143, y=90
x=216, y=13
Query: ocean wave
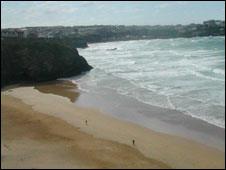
x=219, y=71
x=198, y=74
x=157, y=72
x=170, y=103
x=210, y=119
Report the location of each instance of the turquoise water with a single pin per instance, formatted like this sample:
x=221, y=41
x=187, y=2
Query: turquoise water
x=185, y=74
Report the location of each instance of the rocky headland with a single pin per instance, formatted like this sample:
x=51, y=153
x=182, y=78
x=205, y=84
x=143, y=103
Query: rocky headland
x=36, y=60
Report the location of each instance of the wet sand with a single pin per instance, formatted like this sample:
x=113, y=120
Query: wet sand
x=61, y=88
x=159, y=119
x=34, y=140
x=43, y=130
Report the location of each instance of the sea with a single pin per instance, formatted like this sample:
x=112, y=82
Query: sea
x=182, y=74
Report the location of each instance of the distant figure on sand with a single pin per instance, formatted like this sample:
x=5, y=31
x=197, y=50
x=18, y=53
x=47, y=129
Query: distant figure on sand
x=133, y=142
x=86, y=122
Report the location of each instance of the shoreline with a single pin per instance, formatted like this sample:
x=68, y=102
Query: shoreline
x=158, y=146
x=148, y=39
x=156, y=118
x=37, y=140
x=203, y=109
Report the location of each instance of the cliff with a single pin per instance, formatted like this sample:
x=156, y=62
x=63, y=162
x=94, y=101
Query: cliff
x=38, y=60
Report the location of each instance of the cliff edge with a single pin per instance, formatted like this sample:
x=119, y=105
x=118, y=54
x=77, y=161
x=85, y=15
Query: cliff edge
x=37, y=60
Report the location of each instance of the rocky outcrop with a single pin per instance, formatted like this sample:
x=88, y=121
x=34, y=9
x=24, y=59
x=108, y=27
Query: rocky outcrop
x=38, y=60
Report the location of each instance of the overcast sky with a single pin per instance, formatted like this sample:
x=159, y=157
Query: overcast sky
x=52, y=13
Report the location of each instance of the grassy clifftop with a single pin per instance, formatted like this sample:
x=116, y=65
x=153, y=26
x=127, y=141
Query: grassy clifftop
x=38, y=60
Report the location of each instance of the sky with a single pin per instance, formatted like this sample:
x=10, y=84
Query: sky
x=15, y=14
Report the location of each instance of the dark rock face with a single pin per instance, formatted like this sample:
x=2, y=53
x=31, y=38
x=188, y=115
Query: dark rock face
x=37, y=60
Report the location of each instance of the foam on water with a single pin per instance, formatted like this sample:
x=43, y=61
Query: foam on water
x=186, y=74
x=219, y=71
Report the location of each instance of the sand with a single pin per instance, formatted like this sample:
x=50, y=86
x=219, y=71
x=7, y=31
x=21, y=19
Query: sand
x=43, y=130
x=34, y=140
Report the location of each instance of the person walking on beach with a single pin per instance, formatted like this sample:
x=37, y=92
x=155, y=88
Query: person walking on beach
x=86, y=122
x=133, y=142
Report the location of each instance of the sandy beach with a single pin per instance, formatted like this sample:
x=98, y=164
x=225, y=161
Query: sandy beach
x=42, y=128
